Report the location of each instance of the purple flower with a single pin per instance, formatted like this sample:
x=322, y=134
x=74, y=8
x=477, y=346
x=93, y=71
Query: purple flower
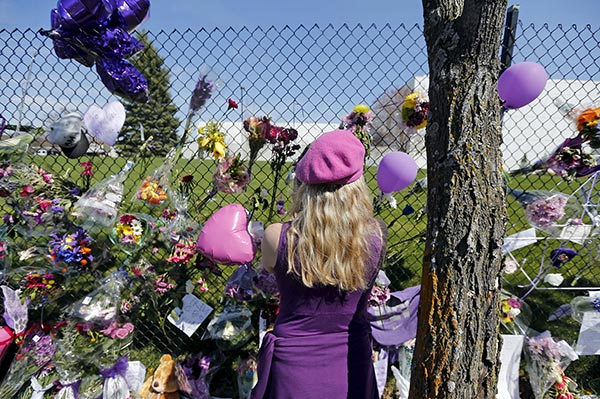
x=202, y=93
x=560, y=256
x=546, y=211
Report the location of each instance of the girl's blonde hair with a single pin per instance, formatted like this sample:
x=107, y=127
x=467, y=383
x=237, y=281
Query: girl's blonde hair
x=328, y=239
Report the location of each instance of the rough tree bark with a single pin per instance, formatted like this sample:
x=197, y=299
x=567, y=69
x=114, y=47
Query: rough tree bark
x=456, y=354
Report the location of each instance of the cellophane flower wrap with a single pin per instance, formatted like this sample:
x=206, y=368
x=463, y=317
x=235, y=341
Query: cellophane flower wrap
x=246, y=376
x=241, y=284
x=130, y=231
x=35, y=353
x=155, y=190
x=545, y=362
x=231, y=328
x=99, y=206
x=515, y=314
x=198, y=370
x=231, y=176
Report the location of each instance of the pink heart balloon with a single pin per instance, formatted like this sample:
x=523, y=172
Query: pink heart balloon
x=105, y=123
x=225, y=239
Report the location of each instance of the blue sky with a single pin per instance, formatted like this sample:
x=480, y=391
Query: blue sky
x=196, y=14
x=288, y=100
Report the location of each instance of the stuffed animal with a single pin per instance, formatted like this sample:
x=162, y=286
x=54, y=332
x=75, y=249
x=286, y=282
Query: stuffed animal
x=164, y=383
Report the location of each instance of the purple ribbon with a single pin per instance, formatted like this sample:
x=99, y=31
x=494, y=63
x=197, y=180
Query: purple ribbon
x=119, y=369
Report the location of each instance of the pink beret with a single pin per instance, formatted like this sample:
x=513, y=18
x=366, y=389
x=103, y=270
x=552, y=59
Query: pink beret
x=335, y=157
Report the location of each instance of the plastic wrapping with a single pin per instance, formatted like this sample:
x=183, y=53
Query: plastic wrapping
x=515, y=314
x=545, y=361
x=241, y=284
x=246, y=376
x=583, y=304
x=100, y=204
x=37, y=350
x=101, y=305
x=403, y=371
x=130, y=232
x=155, y=190
x=231, y=328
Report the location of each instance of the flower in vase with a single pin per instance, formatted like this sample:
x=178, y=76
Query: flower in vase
x=560, y=256
x=129, y=230
x=212, y=140
x=231, y=176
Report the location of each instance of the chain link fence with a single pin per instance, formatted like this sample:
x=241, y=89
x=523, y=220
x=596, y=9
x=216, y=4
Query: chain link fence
x=308, y=78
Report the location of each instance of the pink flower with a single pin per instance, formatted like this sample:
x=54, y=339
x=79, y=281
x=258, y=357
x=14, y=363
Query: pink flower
x=121, y=333
x=87, y=169
x=514, y=303
x=27, y=191
x=231, y=176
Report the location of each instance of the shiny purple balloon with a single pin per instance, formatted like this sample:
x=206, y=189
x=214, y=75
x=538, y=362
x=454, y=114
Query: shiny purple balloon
x=123, y=79
x=521, y=83
x=84, y=14
x=396, y=171
x=132, y=13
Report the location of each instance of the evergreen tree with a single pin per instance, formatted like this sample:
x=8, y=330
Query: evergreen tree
x=158, y=115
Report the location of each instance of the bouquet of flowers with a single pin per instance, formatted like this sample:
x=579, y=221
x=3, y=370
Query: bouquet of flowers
x=130, y=232
x=514, y=314
x=231, y=176
x=414, y=111
x=154, y=190
x=72, y=251
x=546, y=360
x=246, y=376
x=99, y=205
x=359, y=122
x=34, y=354
x=240, y=285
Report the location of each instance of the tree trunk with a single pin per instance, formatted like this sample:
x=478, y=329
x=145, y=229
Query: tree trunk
x=456, y=354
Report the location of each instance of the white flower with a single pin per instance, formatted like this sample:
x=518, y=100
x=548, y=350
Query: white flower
x=136, y=227
x=391, y=200
x=510, y=266
x=554, y=279
x=514, y=312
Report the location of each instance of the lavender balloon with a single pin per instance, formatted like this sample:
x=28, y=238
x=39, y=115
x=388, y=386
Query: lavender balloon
x=521, y=83
x=132, y=13
x=123, y=79
x=396, y=171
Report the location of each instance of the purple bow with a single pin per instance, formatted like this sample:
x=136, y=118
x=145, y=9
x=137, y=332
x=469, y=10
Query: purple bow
x=119, y=369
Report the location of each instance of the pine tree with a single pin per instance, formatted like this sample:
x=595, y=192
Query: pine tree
x=157, y=116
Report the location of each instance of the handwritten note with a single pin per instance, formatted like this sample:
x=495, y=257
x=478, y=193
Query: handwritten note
x=191, y=315
x=135, y=375
x=576, y=233
x=588, y=342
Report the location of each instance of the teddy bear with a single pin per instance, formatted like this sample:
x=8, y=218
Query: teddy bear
x=164, y=383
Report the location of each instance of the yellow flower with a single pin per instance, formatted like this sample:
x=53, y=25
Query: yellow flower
x=361, y=109
x=411, y=100
x=212, y=139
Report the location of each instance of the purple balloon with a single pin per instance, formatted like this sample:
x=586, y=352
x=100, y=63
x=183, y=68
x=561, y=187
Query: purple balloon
x=84, y=14
x=132, y=13
x=395, y=172
x=521, y=83
x=123, y=79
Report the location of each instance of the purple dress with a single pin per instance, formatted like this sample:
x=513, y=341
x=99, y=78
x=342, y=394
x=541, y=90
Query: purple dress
x=320, y=346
